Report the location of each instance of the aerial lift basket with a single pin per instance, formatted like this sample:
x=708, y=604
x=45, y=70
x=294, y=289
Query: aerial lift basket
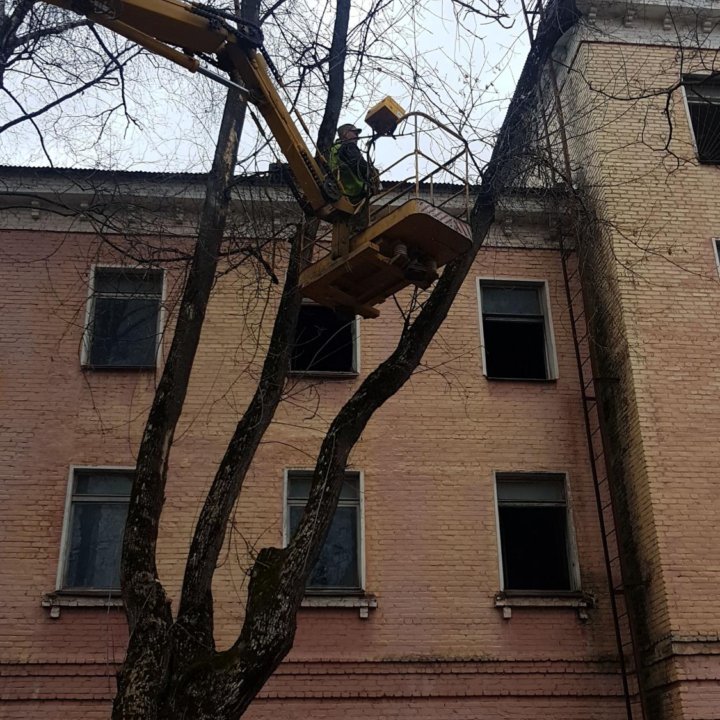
x=376, y=265
x=365, y=269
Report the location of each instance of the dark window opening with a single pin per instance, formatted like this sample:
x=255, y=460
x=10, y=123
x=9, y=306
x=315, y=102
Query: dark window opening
x=337, y=569
x=533, y=534
x=324, y=341
x=125, y=317
x=514, y=332
x=96, y=524
x=703, y=97
x=515, y=349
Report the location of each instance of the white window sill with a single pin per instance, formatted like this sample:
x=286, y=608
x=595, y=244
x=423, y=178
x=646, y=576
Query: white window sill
x=324, y=374
x=494, y=378
x=364, y=603
x=55, y=601
x=579, y=601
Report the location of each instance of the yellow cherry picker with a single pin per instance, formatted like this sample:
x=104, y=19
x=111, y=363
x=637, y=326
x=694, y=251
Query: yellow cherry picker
x=369, y=260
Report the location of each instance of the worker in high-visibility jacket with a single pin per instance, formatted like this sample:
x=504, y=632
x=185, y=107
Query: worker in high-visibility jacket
x=357, y=176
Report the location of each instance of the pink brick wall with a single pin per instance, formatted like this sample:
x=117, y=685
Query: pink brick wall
x=653, y=267
x=436, y=646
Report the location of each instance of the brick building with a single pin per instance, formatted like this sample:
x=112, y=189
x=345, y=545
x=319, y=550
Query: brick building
x=465, y=575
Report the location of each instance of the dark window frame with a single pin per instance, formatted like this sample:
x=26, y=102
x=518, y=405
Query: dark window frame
x=95, y=295
x=358, y=504
x=703, y=91
x=75, y=497
x=544, y=319
x=570, y=546
x=354, y=369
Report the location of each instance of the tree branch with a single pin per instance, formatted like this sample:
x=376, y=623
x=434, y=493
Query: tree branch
x=336, y=77
x=46, y=32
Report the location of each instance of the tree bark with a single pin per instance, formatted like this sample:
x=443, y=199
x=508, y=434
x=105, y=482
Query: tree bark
x=143, y=674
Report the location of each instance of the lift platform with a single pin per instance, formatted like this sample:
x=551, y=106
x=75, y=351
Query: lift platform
x=408, y=225
x=373, y=269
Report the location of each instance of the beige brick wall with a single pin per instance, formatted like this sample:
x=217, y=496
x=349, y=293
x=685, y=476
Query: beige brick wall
x=436, y=645
x=652, y=272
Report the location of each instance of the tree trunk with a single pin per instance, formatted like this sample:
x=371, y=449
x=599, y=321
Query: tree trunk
x=144, y=671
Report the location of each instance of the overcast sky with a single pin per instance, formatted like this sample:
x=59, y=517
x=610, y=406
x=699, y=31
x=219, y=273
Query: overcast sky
x=467, y=72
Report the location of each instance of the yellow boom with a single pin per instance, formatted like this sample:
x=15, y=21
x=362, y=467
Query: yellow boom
x=367, y=264
x=179, y=31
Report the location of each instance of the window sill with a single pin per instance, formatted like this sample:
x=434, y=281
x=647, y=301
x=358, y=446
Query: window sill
x=57, y=600
x=580, y=601
x=534, y=381
x=324, y=374
x=119, y=368
x=364, y=603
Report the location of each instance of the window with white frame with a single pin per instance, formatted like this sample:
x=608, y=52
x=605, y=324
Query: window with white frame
x=124, y=318
x=535, y=538
x=516, y=330
x=325, y=342
x=338, y=569
x=703, y=102
x=94, y=526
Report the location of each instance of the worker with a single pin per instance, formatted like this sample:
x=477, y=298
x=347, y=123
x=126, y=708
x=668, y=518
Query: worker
x=357, y=176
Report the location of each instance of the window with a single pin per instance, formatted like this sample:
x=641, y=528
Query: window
x=325, y=342
x=703, y=100
x=517, y=338
x=94, y=527
x=124, y=318
x=338, y=569
x=534, y=534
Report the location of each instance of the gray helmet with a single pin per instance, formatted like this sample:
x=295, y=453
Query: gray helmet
x=347, y=127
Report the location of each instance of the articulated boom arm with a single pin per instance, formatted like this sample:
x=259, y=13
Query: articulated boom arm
x=162, y=26
x=401, y=246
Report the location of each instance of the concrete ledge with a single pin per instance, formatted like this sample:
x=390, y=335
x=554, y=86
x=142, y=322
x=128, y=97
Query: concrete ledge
x=580, y=601
x=364, y=603
x=55, y=601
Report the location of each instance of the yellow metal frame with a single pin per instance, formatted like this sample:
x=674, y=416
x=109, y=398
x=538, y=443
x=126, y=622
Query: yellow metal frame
x=364, y=267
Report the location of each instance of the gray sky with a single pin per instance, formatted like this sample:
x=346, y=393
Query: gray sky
x=467, y=72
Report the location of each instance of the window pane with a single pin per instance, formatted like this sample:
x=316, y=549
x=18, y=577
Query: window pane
x=706, y=126
x=510, y=300
x=124, y=332
x=531, y=490
x=95, y=541
x=299, y=486
x=125, y=281
x=337, y=565
x=708, y=91
x=324, y=341
x=515, y=349
x=534, y=548
x=99, y=483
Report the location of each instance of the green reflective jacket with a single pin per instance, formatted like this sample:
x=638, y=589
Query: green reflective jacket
x=351, y=185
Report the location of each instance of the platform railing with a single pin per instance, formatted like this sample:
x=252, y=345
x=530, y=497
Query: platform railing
x=422, y=181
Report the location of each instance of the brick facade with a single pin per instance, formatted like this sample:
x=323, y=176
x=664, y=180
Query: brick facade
x=436, y=644
x=651, y=277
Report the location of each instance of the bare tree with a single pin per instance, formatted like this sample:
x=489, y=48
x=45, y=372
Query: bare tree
x=173, y=667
